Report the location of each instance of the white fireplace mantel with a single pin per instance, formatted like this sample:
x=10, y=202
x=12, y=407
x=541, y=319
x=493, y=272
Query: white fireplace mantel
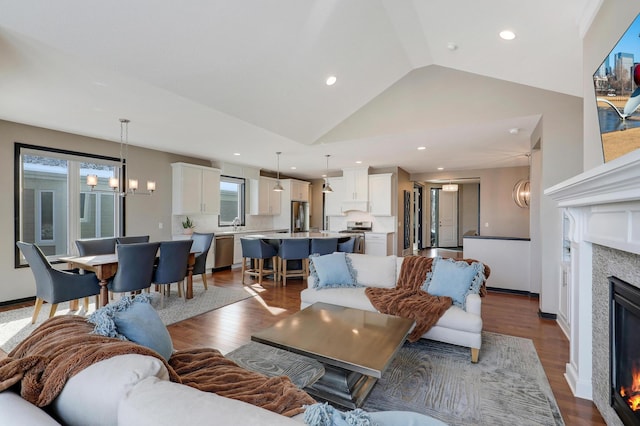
x=603, y=205
x=613, y=182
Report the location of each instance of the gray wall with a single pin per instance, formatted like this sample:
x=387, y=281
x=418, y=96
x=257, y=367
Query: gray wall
x=497, y=208
x=143, y=213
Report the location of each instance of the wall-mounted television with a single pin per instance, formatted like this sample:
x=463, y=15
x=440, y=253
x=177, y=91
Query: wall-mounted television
x=617, y=87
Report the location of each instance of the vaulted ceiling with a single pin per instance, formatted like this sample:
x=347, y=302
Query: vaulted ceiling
x=214, y=78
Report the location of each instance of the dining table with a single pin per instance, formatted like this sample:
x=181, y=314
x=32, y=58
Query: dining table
x=105, y=267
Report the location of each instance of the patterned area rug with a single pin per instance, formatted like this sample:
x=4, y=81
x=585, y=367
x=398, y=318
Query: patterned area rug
x=15, y=325
x=273, y=362
x=507, y=386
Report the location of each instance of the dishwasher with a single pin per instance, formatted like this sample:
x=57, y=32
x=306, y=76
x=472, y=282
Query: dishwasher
x=223, y=251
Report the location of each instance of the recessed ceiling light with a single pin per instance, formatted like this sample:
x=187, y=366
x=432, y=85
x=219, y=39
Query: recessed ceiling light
x=331, y=80
x=293, y=167
x=358, y=162
x=236, y=153
x=100, y=83
x=507, y=35
x=422, y=148
x=441, y=168
x=452, y=46
x=514, y=131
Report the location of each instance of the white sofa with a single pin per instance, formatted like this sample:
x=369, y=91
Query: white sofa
x=134, y=390
x=456, y=326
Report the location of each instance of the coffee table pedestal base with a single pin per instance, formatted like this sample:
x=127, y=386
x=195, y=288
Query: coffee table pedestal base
x=346, y=388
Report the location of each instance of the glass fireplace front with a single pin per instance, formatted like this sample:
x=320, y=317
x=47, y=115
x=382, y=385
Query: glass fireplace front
x=625, y=350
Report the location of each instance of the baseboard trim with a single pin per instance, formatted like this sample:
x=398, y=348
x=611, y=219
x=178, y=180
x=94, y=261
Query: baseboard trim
x=546, y=315
x=518, y=292
x=17, y=301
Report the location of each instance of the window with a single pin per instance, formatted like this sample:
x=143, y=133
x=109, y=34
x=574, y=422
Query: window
x=45, y=224
x=55, y=206
x=231, y=201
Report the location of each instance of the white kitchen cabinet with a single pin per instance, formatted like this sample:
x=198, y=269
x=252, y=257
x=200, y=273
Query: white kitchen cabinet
x=378, y=243
x=380, y=191
x=299, y=190
x=333, y=200
x=196, y=189
x=264, y=200
x=356, y=184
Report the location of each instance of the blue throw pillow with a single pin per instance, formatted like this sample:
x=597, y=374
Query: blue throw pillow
x=455, y=279
x=134, y=320
x=332, y=270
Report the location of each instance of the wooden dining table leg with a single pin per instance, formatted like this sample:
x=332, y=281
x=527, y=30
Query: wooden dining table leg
x=189, y=292
x=104, y=293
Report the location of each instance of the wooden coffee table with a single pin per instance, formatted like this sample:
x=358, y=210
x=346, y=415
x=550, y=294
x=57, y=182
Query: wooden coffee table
x=354, y=346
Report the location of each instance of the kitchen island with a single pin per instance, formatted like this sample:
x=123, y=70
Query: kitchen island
x=300, y=235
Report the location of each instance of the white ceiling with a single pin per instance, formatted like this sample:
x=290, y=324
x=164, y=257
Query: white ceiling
x=210, y=78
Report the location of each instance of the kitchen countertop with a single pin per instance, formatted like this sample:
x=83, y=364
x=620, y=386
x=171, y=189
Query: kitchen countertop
x=242, y=231
x=298, y=235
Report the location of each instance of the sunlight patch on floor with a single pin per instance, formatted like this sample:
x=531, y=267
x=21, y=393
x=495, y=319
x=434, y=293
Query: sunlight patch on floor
x=255, y=292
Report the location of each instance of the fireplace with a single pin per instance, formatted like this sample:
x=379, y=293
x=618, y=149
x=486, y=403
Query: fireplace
x=625, y=350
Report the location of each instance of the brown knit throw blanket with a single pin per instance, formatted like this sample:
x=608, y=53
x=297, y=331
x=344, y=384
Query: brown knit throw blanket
x=408, y=300
x=63, y=346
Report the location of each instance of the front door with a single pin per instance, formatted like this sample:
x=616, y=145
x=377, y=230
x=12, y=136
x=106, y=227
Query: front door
x=448, y=219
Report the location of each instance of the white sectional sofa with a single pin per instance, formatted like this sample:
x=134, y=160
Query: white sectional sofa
x=457, y=326
x=134, y=389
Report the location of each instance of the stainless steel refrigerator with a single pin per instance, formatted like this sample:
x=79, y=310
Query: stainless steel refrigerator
x=299, y=216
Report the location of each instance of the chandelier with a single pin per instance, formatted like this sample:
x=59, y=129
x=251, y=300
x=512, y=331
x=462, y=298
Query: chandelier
x=114, y=182
x=450, y=187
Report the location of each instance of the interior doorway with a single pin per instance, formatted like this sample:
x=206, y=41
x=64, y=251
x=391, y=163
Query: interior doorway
x=451, y=215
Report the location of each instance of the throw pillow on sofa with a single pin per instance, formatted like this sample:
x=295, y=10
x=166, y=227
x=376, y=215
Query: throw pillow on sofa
x=455, y=279
x=134, y=320
x=332, y=270
x=374, y=271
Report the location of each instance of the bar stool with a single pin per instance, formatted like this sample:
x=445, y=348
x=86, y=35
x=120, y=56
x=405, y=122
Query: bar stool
x=293, y=249
x=348, y=245
x=324, y=245
x=256, y=251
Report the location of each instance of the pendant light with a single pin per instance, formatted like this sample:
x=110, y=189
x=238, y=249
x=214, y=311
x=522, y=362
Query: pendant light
x=278, y=187
x=450, y=187
x=327, y=188
x=114, y=182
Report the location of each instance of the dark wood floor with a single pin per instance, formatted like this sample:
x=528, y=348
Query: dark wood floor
x=231, y=326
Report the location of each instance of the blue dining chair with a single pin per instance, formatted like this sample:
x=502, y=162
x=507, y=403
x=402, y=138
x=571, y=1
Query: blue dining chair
x=132, y=240
x=324, y=245
x=256, y=251
x=347, y=246
x=135, y=267
x=201, y=244
x=55, y=286
x=172, y=264
x=96, y=246
x=293, y=249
